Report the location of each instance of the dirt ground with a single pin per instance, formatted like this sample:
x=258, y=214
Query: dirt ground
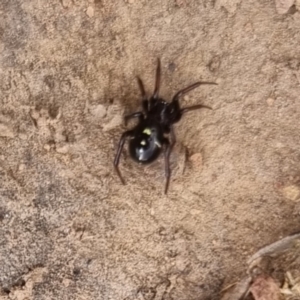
x=69, y=228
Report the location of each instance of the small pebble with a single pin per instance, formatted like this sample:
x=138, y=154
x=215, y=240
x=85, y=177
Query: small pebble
x=291, y=192
x=66, y=282
x=21, y=167
x=47, y=147
x=214, y=242
x=63, y=149
x=90, y=11
x=218, y=81
x=66, y=3
x=98, y=111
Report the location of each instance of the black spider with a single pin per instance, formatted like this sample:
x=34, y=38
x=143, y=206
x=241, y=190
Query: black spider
x=147, y=138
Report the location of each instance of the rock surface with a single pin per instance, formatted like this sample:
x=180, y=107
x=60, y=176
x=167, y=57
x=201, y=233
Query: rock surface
x=69, y=229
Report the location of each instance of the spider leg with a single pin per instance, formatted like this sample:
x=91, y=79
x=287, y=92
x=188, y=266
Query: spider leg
x=138, y=114
x=157, y=81
x=188, y=89
x=119, y=151
x=167, y=152
x=143, y=93
x=155, y=95
x=194, y=107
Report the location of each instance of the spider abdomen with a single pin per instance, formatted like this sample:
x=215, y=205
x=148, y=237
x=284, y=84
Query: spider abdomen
x=147, y=143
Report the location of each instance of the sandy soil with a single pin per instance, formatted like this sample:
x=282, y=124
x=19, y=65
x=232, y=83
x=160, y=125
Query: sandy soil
x=69, y=229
